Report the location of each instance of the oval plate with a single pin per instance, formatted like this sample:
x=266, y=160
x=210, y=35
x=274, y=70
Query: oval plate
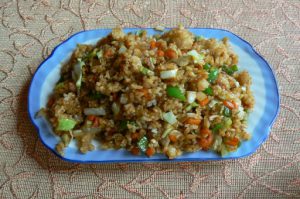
x=264, y=87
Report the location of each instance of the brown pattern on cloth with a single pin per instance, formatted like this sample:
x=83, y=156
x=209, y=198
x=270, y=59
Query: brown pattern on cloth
x=31, y=29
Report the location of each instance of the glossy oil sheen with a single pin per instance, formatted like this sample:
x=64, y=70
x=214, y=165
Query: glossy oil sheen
x=264, y=87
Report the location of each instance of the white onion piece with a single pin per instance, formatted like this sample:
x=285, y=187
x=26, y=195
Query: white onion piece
x=170, y=117
x=123, y=99
x=115, y=108
x=191, y=96
x=152, y=103
x=168, y=74
x=94, y=111
x=92, y=130
x=212, y=103
x=192, y=115
x=198, y=58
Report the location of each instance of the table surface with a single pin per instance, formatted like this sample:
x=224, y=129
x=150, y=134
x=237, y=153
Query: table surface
x=31, y=29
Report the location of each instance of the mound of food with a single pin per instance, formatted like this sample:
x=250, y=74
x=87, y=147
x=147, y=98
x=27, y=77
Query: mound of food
x=168, y=93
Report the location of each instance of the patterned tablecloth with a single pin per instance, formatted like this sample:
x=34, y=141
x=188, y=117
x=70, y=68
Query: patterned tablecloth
x=31, y=29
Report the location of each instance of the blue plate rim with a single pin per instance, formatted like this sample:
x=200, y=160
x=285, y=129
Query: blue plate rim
x=156, y=160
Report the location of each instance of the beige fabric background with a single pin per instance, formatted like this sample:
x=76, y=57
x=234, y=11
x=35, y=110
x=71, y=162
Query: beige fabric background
x=31, y=29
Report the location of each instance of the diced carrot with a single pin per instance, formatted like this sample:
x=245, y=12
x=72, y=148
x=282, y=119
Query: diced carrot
x=192, y=121
x=146, y=93
x=91, y=117
x=230, y=104
x=135, y=136
x=204, y=102
x=160, y=53
x=135, y=151
x=205, y=143
x=158, y=44
x=206, y=139
x=152, y=44
x=170, y=53
x=232, y=141
x=96, y=122
x=150, y=151
x=172, y=138
x=205, y=132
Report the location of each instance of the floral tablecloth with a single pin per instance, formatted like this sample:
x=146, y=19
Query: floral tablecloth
x=30, y=29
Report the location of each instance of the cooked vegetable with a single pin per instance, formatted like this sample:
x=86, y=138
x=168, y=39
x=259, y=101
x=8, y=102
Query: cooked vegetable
x=77, y=73
x=191, y=96
x=206, y=141
x=232, y=141
x=174, y=91
x=96, y=95
x=168, y=93
x=115, y=108
x=207, y=66
x=192, y=121
x=227, y=112
x=65, y=124
x=172, y=138
x=160, y=53
x=204, y=102
x=213, y=75
x=143, y=144
x=170, y=117
x=168, y=74
x=170, y=53
x=208, y=91
x=135, y=151
x=230, y=70
x=198, y=58
x=230, y=104
x=191, y=106
x=94, y=111
x=227, y=122
x=217, y=127
x=167, y=131
x=150, y=151
x=146, y=71
x=124, y=123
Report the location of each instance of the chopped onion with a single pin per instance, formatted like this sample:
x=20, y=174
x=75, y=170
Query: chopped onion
x=192, y=115
x=123, y=99
x=92, y=129
x=170, y=117
x=122, y=49
x=146, y=71
x=77, y=72
x=115, y=108
x=212, y=103
x=166, y=132
x=151, y=103
x=191, y=96
x=168, y=74
x=213, y=117
x=154, y=131
x=241, y=113
x=198, y=58
x=94, y=111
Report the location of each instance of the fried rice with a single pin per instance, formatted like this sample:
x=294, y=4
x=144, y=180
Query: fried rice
x=169, y=93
